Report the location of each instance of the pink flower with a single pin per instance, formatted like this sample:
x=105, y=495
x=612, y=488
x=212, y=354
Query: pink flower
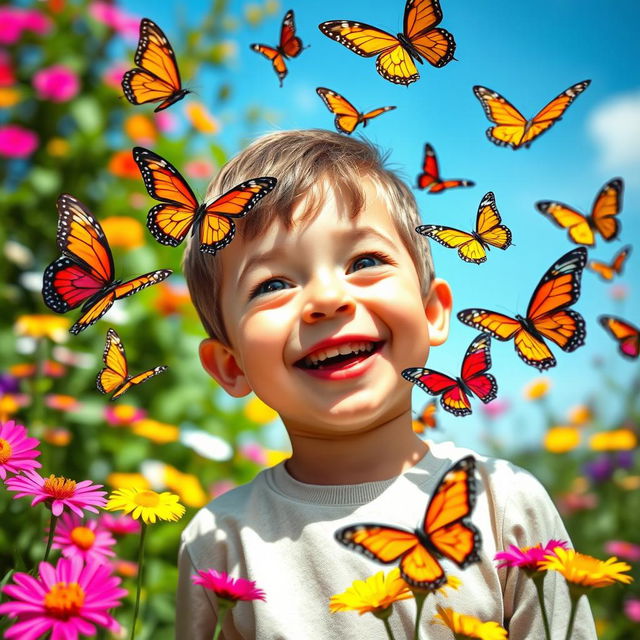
x=112, y=77
x=16, y=141
x=125, y=24
x=69, y=600
x=527, y=558
x=15, y=20
x=121, y=415
x=7, y=77
x=87, y=540
x=254, y=452
x=632, y=609
x=199, y=169
x=624, y=550
x=58, y=492
x=16, y=449
x=228, y=588
x=119, y=525
x=57, y=83
x=165, y=121
x=495, y=408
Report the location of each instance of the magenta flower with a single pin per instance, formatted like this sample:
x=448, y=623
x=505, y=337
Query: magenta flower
x=632, y=609
x=56, y=83
x=58, y=492
x=88, y=540
x=125, y=24
x=15, y=20
x=7, y=77
x=527, y=558
x=623, y=550
x=69, y=600
x=16, y=449
x=495, y=408
x=112, y=77
x=119, y=525
x=16, y=141
x=232, y=589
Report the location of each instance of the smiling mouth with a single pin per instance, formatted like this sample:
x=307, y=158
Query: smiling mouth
x=346, y=355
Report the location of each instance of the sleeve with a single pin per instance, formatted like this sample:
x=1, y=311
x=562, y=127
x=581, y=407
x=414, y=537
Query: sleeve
x=529, y=518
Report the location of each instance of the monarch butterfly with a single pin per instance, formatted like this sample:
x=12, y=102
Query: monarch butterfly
x=454, y=392
x=512, y=128
x=581, y=228
x=290, y=46
x=445, y=532
x=427, y=419
x=347, y=116
x=84, y=273
x=624, y=333
x=157, y=79
x=608, y=271
x=430, y=176
x=180, y=211
x=115, y=375
x=396, y=55
x=471, y=246
x=548, y=315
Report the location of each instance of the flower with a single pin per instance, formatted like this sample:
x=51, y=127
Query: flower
x=579, y=415
x=16, y=141
x=57, y=436
x=112, y=77
x=56, y=83
x=602, y=468
x=200, y=118
x=537, y=388
x=186, y=485
x=88, y=540
x=199, y=168
x=9, y=97
x=125, y=568
x=467, y=626
x=61, y=402
x=7, y=76
x=226, y=587
x=123, y=414
x=527, y=558
x=52, y=369
x=58, y=147
x=68, y=599
x=122, y=165
x=141, y=129
x=58, y=492
x=15, y=20
x=623, y=549
x=123, y=232
x=165, y=121
x=275, y=457
x=146, y=504
x=170, y=298
x=42, y=326
x=109, y=14
x=618, y=292
x=572, y=501
x=119, y=525
x=129, y=480
x=17, y=451
x=632, y=609
x=258, y=411
x=561, y=439
x=157, y=432
x=613, y=440
x=495, y=408
x=586, y=571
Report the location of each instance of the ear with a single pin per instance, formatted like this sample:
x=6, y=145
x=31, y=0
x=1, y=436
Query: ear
x=220, y=363
x=438, y=311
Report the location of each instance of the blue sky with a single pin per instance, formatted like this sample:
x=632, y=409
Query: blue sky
x=527, y=52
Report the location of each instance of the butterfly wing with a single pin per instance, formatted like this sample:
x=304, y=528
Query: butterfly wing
x=346, y=115
x=66, y=285
x=374, y=114
x=606, y=207
x=290, y=44
x=567, y=217
x=452, y=397
x=420, y=18
x=138, y=379
x=469, y=248
x=217, y=228
x=115, y=372
x=624, y=333
x=608, y=271
x=476, y=363
x=430, y=176
x=510, y=123
x=427, y=418
x=277, y=59
x=488, y=225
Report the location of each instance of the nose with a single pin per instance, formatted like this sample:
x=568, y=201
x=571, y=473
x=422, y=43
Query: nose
x=328, y=297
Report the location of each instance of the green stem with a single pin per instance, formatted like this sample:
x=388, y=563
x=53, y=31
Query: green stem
x=420, y=597
x=143, y=532
x=538, y=580
x=387, y=627
x=572, y=616
x=52, y=527
x=223, y=607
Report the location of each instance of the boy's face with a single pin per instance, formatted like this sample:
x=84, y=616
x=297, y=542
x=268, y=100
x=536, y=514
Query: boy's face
x=323, y=318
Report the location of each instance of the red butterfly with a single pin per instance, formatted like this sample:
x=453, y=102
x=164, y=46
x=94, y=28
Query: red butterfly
x=430, y=177
x=84, y=273
x=624, y=333
x=290, y=46
x=454, y=392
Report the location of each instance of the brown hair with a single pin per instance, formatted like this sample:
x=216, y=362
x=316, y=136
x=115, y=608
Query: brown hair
x=300, y=160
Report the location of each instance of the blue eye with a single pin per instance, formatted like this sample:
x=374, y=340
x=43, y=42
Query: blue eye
x=268, y=286
x=364, y=262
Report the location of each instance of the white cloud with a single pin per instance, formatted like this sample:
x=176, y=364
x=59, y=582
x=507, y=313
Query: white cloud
x=615, y=128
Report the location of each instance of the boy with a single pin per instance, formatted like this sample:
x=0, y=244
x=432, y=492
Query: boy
x=325, y=295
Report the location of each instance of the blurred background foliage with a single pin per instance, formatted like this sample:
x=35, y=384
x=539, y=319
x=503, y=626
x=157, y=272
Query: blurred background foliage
x=65, y=127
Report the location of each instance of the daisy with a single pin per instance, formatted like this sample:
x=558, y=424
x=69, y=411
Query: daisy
x=464, y=626
x=527, y=558
x=16, y=449
x=146, y=504
x=88, y=540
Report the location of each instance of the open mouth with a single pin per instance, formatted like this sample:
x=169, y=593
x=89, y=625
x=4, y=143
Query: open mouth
x=343, y=355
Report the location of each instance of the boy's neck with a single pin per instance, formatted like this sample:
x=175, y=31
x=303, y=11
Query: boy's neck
x=379, y=454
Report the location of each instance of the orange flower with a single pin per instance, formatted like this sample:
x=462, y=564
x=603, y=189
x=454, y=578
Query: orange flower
x=537, y=388
x=61, y=402
x=170, y=298
x=57, y=147
x=123, y=165
x=155, y=431
x=561, y=439
x=579, y=415
x=123, y=232
x=140, y=129
x=9, y=97
x=613, y=440
x=200, y=118
x=52, y=369
x=57, y=436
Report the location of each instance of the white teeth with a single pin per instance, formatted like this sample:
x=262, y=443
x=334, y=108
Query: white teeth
x=343, y=349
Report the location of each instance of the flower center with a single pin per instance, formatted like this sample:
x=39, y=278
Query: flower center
x=83, y=537
x=5, y=451
x=147, y=499
x=64, y=599
x=59, y=487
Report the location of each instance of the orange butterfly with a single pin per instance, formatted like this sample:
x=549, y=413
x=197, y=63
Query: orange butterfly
x=115, y=376
x=430, y=176
x=158, y=78
x=608, y=271
x=180, y=211
x=445, y=532
x=624, y=333
x=472, y=246
x=581, y=228
x=347, y=116
x=427, y=419
x=290, y=46
x=512, y=128
x=84, y=273
x=548, y=315
x=396, y=54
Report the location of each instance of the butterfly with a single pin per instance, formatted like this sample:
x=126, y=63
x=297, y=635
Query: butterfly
x=608, y=271
x=426, y=420
x=347, y=116
x=582, y=229
x=548, y=315
x=512, y=128
x=115, y=375
x=396, y=54
x=445, y=532
x=430, y=176
x=157, y=78
x=180, y=211
x=624, y=333
x=454, y=392
x=290, y=46
x=84, y=273
x=472, y=246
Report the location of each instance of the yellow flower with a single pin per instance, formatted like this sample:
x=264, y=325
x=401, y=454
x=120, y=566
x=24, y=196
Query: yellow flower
x=140, y=129
x=579, y=415
x=157, y=432
x=274, y=457
x=9, y=97
x=200, y=118
x=537, y=388
x=373, y=595
x=187, y=486
x=586, y=571
x=132, y=480
x=57, y=147
x=43, y=326
x=9, y=404
x=146, y=504
x=561, y=439
x=613, y=440
x=258, y=411
x=629, y=483
x=464, y=626
x=123, y=232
